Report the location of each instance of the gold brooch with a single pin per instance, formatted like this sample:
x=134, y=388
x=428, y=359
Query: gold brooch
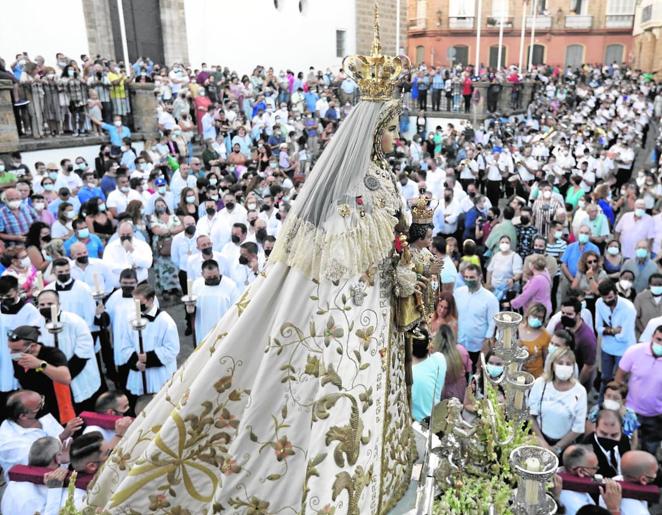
x=344, y=210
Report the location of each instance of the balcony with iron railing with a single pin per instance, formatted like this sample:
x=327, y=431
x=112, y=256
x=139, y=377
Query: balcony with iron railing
x=578, y=22
x=542, y=22
x=493, y=23
x=461, y=23
x=619, y=21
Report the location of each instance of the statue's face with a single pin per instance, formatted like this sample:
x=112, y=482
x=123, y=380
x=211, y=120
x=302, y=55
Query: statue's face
x=390, y=134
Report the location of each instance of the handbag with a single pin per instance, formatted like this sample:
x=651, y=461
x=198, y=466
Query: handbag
x=164, y=246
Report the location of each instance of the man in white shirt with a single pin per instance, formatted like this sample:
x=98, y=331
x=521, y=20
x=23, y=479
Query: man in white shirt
x=128, y=251
x=206, y=251
x=24, y=425
x=233, y=212
x=120, y=197
x=183, y=247
x=67, y=178
x=446, y=215
x=527, y=165
x=638, y=467
x=231, y=249
x=75, y=296
x=114, y=403
x=213, y=225
x=215, y=294
x=48, y=498
x=580, y=461
x=181, y=179
x=408, y=188
x=91, y=271
x=246, y=269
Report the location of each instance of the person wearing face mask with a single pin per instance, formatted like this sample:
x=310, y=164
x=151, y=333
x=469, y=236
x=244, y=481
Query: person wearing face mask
x=538, y=286
x=90, y=189
x=216, y=294
x=20, y=266
x=476, y=307
x=183, y=247
x=557, y=403
x=119, y=198
x=649, y=308
x=534, y=338
x=160, y=192
x=408, y=188
x=160, y=338
x=15, y=216
x=641, y=369
x=67, y=178
x=16, y=311
x=608, y=442
x=114, y=403
x=544, y=207
x=613, y=259
x=82, y=235
x=38, y=203
x=634, y=227
x=237, y=236
x=117, y=131
x=572, y=255
x=615, y=395
x=578, y=460
x=615, y=321
x=504, y=269
x=205, y=251
x=128, y=251
x=641, y=266
x=494, y=367
x=625, y=287
x=163, y=226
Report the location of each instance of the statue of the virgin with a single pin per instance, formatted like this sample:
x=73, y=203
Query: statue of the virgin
x=296, y=402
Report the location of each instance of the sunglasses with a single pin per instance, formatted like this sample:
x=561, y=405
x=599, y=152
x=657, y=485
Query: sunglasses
x=592, y=262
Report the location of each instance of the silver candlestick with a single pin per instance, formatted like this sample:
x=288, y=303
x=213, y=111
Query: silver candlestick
x=534, y=467
x=191, y=300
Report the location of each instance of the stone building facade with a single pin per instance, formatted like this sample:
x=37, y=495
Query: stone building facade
x=648, y=37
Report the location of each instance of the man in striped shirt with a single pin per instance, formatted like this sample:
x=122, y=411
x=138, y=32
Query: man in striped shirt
x=15, y=217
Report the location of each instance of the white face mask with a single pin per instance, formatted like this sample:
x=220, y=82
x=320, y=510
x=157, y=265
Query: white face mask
x=611, y=404
x=25, y=262
x=14, y=204
x=625, y=284
x=546, y=194
x=504, y=247
x=39, y=206
x=563, y=372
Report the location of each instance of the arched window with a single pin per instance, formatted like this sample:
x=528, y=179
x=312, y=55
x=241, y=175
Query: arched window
x=614, y=53
x=574, y=55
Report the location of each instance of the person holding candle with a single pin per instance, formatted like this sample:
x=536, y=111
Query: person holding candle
x=534, y=338
x=75, y=296
x=160, y=345
x=75, y=341
x=557, y=403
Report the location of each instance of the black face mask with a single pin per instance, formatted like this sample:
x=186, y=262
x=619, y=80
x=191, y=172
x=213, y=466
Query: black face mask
x=265, y=208
x=190, y=230
x=127, y=291
x=607, y=443
x=143, y=308
x=448, y=198
x=567, y=321
x=267, y=252
x=278, y=216
x=45, y=312
x=537, y=251
x=261, y=235
x=160, y=210
x=213, y=281
x=243, y=260
x=211, y=211
x=125, y=238
x=70, y=168
x=8, y=303
x=63, y=278
x=252, y=222
x=207, y=252
x=46, y=238
x=611, y=303
x=471, y=194
x=83, y=260
x=229, y=206
x=525, y=220
x=235, y=239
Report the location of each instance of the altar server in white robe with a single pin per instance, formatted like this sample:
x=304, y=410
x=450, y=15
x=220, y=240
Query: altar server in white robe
x=25, y=497
x=127, y=251
x=160, y=344
x=75, y=296
x=15, y=312
x=215, y=295
x=75, y=341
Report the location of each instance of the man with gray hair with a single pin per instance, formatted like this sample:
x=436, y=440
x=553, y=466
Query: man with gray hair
x=27, y=497
x=127, y=251
x=580, y=461
x=572, y=255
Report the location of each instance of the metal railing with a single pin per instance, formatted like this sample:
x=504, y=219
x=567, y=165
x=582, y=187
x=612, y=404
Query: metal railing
x=578, y=22
x=461, y=23
x=494, y=22
x=418, y=23
x=542, y=22
x=619, y=21
x=57, y=107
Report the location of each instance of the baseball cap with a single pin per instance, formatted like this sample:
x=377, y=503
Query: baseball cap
x=24, y=332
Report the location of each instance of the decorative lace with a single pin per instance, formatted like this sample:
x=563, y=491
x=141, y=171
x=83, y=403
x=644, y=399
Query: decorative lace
x=358, y=235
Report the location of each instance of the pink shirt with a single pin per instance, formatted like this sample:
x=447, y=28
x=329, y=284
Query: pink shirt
x=633, y=231
x=645, y=381
x=537, y=289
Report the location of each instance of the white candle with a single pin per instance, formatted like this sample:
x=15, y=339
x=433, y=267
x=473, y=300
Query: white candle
x=189, y=287
x=97, y=284
x=507, y=332
x=136, y=304
x=519, y=395
x=40, y=281
x=54, y=313
x=531, y=487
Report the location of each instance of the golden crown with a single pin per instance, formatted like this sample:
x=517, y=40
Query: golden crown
x=375, y=74
x=421, y=212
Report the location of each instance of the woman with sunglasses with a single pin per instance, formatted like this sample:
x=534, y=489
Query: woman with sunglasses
x=589, y=275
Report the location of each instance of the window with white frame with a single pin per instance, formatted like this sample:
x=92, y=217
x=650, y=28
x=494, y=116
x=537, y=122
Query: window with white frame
x=579, y=7
x=461, y=9
x=620, y=7
x=421, y=9
x=499, y=8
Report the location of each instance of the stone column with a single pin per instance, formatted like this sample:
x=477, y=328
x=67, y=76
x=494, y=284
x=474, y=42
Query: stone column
x=143, y=103
x=8, y=130
x=99, y=28
x=173, y=28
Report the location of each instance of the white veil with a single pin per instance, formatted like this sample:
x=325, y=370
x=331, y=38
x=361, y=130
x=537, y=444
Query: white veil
x=315, y=237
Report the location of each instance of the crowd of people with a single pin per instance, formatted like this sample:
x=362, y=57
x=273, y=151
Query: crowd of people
x=543, y=213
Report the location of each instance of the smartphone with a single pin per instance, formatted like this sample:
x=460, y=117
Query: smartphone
x=17, y=356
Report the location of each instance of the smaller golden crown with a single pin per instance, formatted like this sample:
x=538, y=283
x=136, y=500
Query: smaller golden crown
x=375, y=74
x=421, y=213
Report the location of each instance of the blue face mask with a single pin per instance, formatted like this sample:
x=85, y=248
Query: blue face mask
x=656, y=290
x=535, y=322
x=583, y=238
x=493, y=371
x=641, y=253
x=84, y=233
x=657, y=350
